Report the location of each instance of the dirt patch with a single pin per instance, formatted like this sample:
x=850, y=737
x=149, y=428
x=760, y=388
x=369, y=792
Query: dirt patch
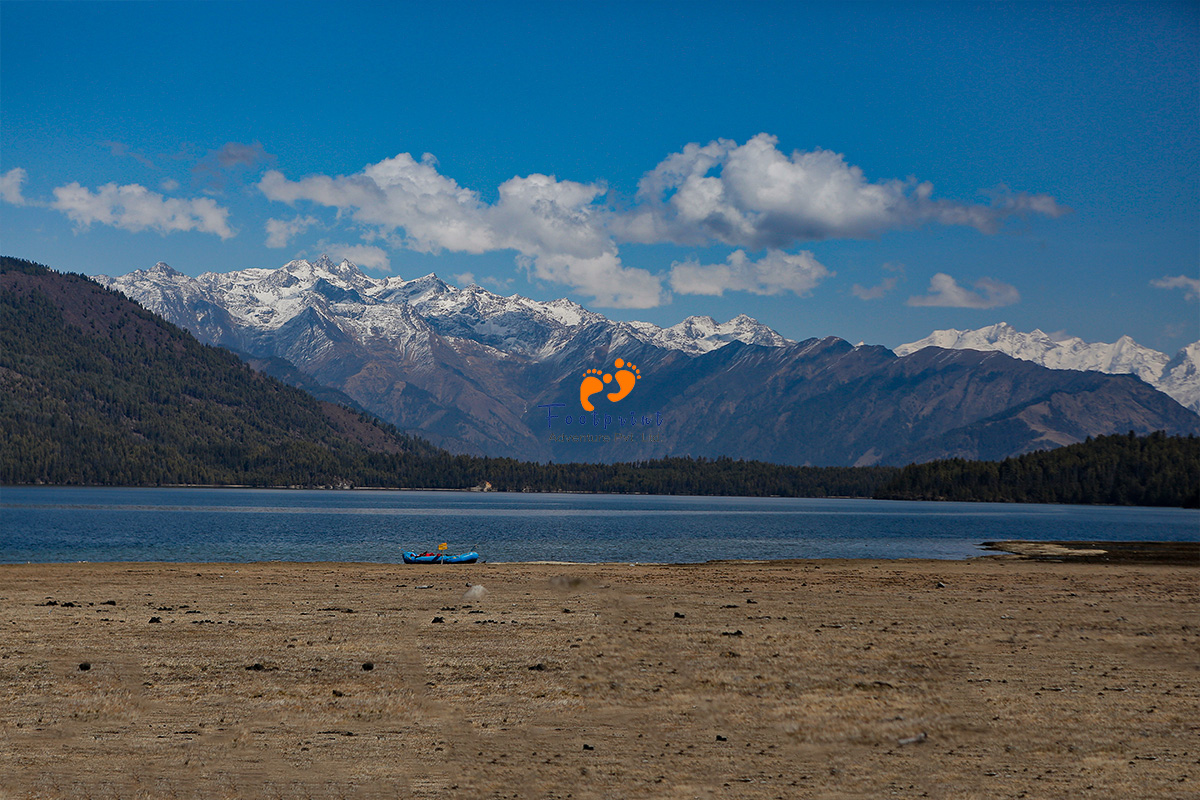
x=977, y=679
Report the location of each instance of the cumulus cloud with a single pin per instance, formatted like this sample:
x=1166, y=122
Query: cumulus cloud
x=775, y=273
x=556, y=226
x=755, y=196
x=282, y=231
x=945, y=292
x=750, y=196
x=1190, y=286
x=874, y=292
x=10, y=186
x=136, y=208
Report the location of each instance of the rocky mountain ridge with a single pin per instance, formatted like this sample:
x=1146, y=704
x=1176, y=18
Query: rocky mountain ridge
x=480, y=373
x=1178, y=376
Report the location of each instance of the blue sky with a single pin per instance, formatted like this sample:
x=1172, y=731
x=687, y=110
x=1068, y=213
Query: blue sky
x=871, y=171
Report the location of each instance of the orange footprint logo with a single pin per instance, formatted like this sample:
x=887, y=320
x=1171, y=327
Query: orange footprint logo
x=627, y=376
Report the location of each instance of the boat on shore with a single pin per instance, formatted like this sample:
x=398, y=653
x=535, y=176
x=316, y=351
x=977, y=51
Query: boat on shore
x=439, y=558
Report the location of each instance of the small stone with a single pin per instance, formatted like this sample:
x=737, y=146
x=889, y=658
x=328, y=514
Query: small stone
x=154, y=619
x=84, y=666
x=679, y=616
x=368, y=666
x=437, y=619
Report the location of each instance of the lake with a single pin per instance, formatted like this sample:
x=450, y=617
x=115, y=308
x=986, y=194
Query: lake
x=43, y=524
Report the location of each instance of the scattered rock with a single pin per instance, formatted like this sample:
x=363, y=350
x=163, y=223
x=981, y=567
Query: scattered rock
x=368, y=666
x=538, y=666
x=920, y=737
x=84, y=666
x=588, y=747
x=437, y=619
x=256, y=666
x=109, y=603
x=941, y=585
x=679, y=616
x=721, y=738
x=337, y=693
x=732, y=633
x=154, y=619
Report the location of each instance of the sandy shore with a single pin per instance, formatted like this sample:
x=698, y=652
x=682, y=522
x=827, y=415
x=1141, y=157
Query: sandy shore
x=988, y=678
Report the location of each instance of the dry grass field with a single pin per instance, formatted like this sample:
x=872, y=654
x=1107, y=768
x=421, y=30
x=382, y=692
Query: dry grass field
x=989, y=678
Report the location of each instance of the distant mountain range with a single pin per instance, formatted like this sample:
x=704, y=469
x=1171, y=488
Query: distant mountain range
x=1178, y=377
x=477, y=372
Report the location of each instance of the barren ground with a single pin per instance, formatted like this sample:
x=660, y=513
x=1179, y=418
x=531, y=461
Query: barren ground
x=988, y=678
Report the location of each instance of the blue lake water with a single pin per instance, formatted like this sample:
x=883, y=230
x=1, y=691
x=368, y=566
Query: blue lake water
x=239, y=525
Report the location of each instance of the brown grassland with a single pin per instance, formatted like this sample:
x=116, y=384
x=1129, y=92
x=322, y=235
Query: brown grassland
x=989, y=678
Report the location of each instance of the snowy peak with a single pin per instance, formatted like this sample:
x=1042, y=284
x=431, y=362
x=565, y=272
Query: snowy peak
x=344, y=274
x=264, y=300
x=1178, y=377
x=163, y=270
x=415, y=291
x=703, y=334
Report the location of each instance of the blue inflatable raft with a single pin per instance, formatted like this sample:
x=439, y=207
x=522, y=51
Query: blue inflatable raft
x=438, y=558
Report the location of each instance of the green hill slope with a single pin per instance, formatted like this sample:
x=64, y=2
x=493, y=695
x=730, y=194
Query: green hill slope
x=1154, y=470
x=96, y=390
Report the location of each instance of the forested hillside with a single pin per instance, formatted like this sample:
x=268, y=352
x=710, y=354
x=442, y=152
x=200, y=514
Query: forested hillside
x=94, y=390
x=1154, y=470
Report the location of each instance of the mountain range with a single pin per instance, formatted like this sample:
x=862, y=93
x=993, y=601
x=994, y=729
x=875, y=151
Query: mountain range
x=481, y=373
x=1178, y=377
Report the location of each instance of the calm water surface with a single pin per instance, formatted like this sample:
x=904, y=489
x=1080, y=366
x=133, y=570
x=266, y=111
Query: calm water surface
x=239, y=525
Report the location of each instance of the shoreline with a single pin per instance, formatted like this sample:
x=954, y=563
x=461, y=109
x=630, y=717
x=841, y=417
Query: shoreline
x=476, y=490
x=1180, y=553
x=832, y=677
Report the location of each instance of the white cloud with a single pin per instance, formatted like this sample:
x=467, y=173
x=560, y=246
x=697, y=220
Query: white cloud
x=755, y=196
x=281, y=231
x=945, y=292
x=874, y=292
x=1190, y=286
x=433, y=211
x=10, y=186
x=464, y=278
x=364, y=255
x=556, y=226
x=750, y=196
x=169, y=185
x=775, y=273
x=136, y=208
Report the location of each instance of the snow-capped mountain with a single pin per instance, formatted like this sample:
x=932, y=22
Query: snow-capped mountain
x=266, y=300
x=1178, y=377
x=481, y=373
